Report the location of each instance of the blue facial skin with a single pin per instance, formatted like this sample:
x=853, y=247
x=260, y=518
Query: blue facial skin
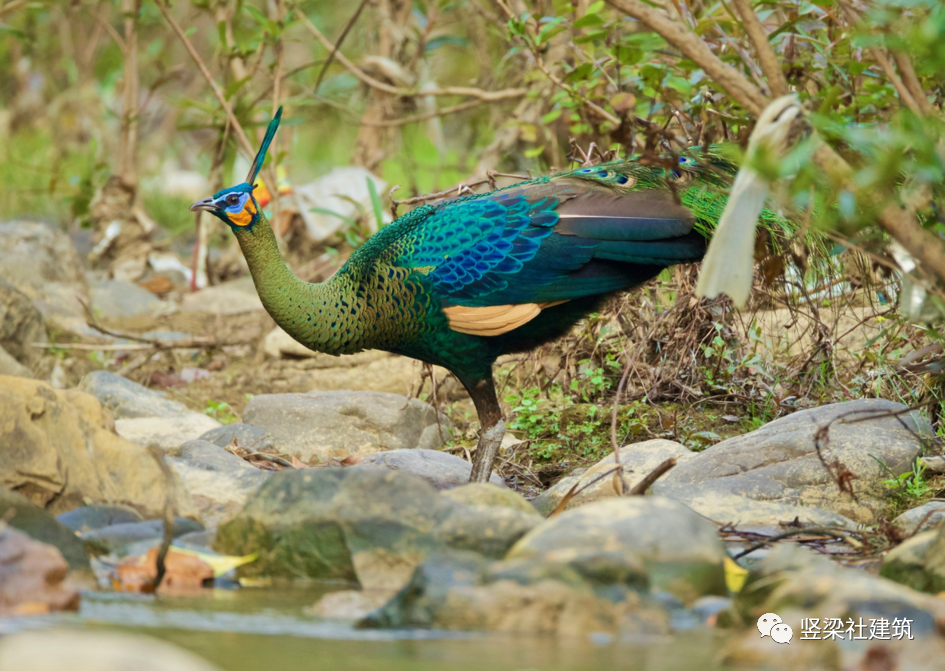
x=234, y=206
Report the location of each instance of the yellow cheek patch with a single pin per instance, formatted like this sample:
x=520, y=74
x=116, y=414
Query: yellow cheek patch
x=243, y=218
x=250, y=207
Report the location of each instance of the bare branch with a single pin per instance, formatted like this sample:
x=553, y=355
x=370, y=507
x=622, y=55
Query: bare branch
x=11, y=6
x=217, y=91
x=337, y=46
x=766, y=55
x=485, y=96
x=909, y=78
x=694, y=48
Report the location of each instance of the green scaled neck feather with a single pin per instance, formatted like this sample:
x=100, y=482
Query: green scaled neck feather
x=324, y=317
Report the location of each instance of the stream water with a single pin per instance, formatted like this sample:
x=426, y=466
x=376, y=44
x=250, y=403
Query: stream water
x=268, y=630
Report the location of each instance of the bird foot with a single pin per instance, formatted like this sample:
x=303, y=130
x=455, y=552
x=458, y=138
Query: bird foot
x=486, y=451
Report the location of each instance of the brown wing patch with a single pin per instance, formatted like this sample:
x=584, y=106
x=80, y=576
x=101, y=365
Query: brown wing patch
x=493, y=320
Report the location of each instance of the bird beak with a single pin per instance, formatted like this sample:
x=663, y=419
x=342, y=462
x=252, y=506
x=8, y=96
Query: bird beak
x=205, y=204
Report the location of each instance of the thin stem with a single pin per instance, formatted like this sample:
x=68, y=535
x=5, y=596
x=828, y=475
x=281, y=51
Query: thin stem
x=337, y=46
x=217, y=91
x=766, y=55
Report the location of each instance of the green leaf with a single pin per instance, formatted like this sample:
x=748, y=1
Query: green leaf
x=534, y=152
x=551, y=116
x=589, y=20
x=596, y=7
x=376, y=203
x=583, y=71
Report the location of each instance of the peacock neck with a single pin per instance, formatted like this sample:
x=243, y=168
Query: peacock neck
x=313, y=314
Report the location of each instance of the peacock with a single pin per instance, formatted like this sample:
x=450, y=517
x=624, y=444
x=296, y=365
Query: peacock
x=460, y=282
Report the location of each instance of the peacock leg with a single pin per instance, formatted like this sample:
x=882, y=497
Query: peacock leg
x=492, y=428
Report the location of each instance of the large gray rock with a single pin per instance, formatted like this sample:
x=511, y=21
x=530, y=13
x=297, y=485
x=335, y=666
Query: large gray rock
x=126, y=399
x=919, y=562
x=245, y=435
x=90, y=650
x=12, y=367
x=440, y=469
x=461, y=591
x=224, y=299
x=368, y=526
x=92, y=517
x=117, y=298
x=320, y=425
x=21, y=324
x=168, y=433
x=929, y=515
x=795, y=586
x=41, y=262
x=218, y=481
x=40, y=525
x=117, y=538
x=779, y=464
x=641, y=540
x=638, y=461
x=58, y=450
x=488, y=519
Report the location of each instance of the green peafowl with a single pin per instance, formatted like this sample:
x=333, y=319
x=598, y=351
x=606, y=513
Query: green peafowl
x=463, y=281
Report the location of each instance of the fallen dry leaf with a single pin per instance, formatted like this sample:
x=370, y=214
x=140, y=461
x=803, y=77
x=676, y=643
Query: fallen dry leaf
x=185, y=573
x=298, y=463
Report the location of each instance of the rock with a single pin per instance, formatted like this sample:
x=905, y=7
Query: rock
x=440, y=469
x=344, y=192
x=115, y=539
x=57, y=451
x=459, y=591
x=218, y=481
x=724, y=507
x=11, y=367
x=32, y=520
x=320, y=425
x=88, y=518
x=372, y=370
x=366, y=526
x=778, y=463
x=117, y=298
x=245, y=435
x=41, y=262
x=168, y=433
x=486, y=519
x=32, y=579
x=224, y=299
x=796, y=586
x=350, y=604
x=906, y=564
x=21, y=324
x=931, y=515
x=90, y=650
x=126, y=399
x=485, y=495
x=649, y=540
x=638, y=461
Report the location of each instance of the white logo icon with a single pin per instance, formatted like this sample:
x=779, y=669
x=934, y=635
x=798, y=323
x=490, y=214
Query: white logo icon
x=782, y=633
x=766, y=621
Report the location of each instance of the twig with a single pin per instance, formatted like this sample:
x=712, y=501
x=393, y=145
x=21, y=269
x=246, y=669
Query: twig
x=469, y=104
x=912, y=83
x=759, y=37
x=485, y=96
x=217, y=91
x=169, y=488
x=824, y=531
x=341, y=38
x=640, y=488
x=10, y=6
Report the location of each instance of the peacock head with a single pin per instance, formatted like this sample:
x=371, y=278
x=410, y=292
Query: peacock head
x=236, y=206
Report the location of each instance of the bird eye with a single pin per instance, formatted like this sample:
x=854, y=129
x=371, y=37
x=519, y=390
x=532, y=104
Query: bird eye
x=233, y=199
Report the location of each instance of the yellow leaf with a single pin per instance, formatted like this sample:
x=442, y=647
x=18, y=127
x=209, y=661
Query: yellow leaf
x=734, y=576
x=219, y=563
